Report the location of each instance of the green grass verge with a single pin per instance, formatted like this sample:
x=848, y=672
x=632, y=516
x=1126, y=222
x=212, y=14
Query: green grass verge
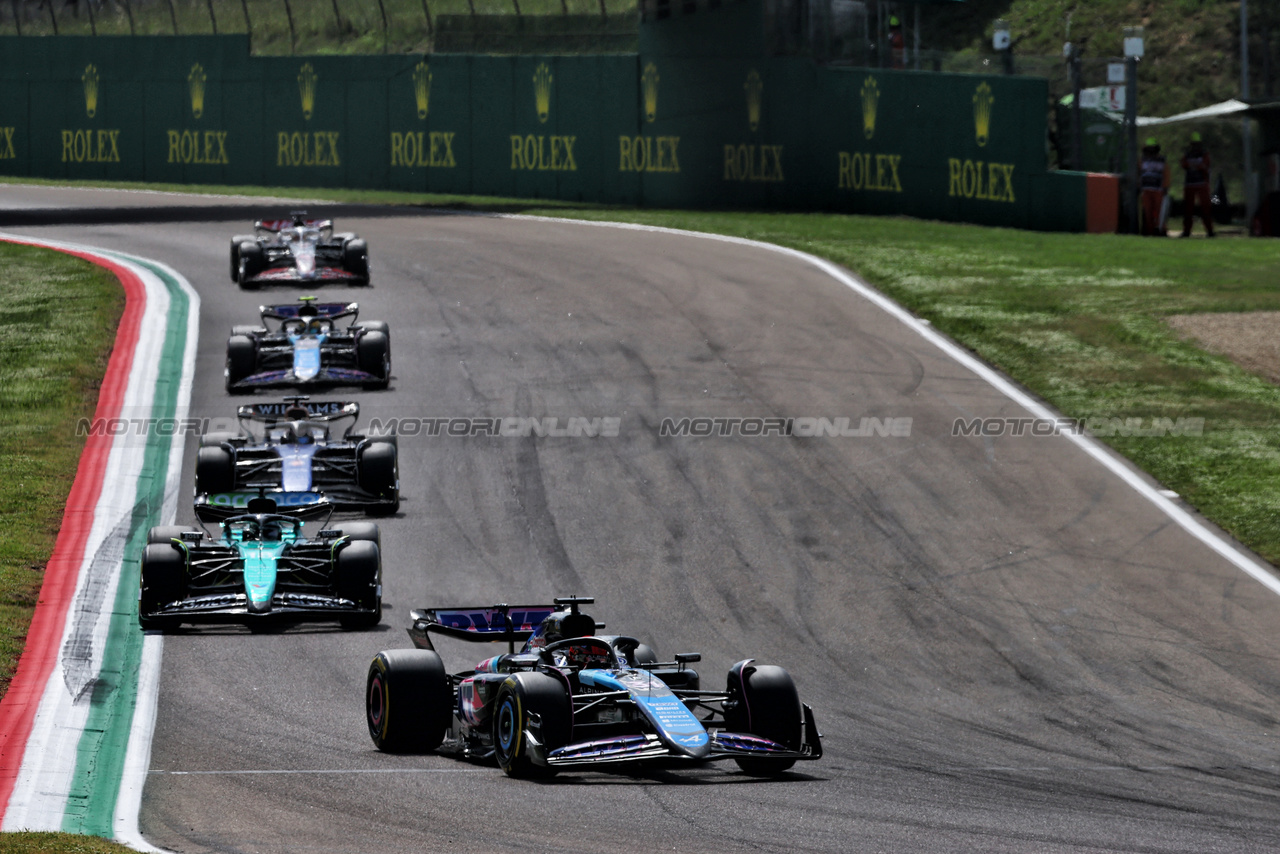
x=57, y=325
x=63, y=843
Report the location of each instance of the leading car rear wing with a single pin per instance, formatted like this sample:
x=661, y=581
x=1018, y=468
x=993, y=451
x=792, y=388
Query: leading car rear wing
x=489, y=623
x=317, y=410
x=218, y=506
x=289, y=311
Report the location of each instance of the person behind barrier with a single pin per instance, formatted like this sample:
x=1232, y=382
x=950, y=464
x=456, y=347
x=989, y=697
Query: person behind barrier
x=897, y=44
x=1153, y=179
x=1195, y=183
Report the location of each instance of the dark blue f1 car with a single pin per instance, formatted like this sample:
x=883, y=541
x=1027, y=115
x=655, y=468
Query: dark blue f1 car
x=571, y=698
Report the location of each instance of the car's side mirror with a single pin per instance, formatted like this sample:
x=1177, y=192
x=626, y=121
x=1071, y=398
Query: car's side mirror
x=688, y=657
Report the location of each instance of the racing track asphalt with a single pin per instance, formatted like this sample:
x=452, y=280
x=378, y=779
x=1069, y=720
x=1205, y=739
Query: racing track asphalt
x=1007, y=649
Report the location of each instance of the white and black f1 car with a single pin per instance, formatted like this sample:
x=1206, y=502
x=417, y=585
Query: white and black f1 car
x=298, y=250
x=571, y=698
x=259, y=569
x=291, y=447
x=301, y=344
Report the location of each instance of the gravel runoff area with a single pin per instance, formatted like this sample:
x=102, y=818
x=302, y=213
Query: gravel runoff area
x=1250, y=339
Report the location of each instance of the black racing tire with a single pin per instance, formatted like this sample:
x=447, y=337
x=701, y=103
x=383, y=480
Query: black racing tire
x=373, y=356
x=215, y=439
x=166, y=534
x=376, y=326
x=521, y=695
x=366, y=531
x=358, y=573
x=252, y=262
x=643, y=654
x=766, y=704
x=242, y=360
x=235, y=253
x=162, y=580
x=377, y=471
x=408, y=701
x=355, y=258
x=215, y=470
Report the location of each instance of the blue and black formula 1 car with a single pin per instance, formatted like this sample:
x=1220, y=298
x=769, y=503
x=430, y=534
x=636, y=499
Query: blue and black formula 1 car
x=259, y=569
x=294, y=446
x=302, y=345
x=574, y=699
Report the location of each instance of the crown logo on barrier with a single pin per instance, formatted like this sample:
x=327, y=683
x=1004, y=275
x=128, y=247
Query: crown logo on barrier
x=422, y=87
x=649, y=84
x=982, y=101
x=542, y=90
x=307, y=89
x=90, y=81
x=755, y=95
x=870, y=103
x=195, y=83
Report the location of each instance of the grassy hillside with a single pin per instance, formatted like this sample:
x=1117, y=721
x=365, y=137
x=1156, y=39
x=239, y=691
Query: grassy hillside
x=1192, y=54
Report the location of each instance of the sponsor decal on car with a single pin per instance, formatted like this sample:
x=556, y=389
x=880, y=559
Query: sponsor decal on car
x=240, y=500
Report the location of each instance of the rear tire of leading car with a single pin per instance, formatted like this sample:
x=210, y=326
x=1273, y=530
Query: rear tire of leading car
x=355, y=259
x=359, y=574
x=235, y=253
x=377, y=472
x=166, y=534
x=765, y=703
x=242, y=360
x=521, y=696
x=215, y=439
x=367, y=531
x=418, y=719
x=215, y=470
x=373, y=355
x=163, y=577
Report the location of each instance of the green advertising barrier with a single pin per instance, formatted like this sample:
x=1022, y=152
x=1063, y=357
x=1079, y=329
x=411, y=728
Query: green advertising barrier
x=660, y=128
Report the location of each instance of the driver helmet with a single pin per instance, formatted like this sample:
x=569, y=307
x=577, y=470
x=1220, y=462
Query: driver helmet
x=296, y=413
x=566, y=624
x=271, y=531
x=298, y=430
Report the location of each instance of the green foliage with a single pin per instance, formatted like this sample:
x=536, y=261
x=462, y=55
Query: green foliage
x=324, y=26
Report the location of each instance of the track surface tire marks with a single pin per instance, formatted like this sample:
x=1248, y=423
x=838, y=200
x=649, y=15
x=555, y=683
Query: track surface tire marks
x=1006, y=649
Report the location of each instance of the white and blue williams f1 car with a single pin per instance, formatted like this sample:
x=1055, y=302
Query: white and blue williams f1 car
x=294, y=446
x=301, y=344
x=573, y=699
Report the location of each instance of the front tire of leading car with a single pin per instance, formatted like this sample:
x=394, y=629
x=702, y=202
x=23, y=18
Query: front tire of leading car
x=408, y=701
x=522, y=697
x=359, y=575
x=163, y=577
x=765, y=703
x=242, y=361
x=373, y=356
